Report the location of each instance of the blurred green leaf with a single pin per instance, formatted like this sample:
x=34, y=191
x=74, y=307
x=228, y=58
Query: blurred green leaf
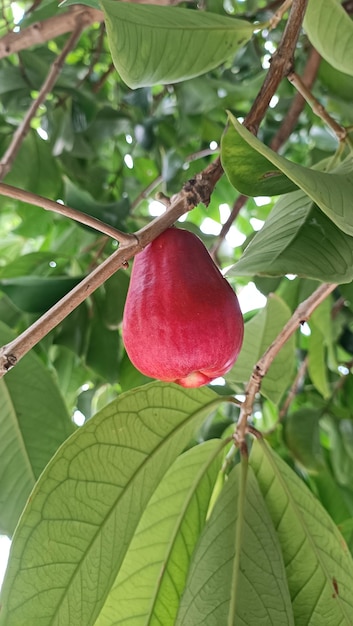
x=330, y=30
x=260, y=331
x=301, y=433
x=113, y=213
x=36, y=294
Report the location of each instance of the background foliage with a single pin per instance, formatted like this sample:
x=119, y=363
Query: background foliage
x=147, y=511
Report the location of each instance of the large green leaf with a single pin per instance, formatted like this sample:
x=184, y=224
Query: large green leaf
x=260, y=331
x=83, y=512
x=152, y=577
x=33, y=422
x=237, y=573
x=330, y=30
x=298, y=238
x=331, y=191
x=159, y=45
x=318, y=564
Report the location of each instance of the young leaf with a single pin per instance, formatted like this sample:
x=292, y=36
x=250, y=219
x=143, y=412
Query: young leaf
x=260, y=331
x=83, y=512
x=152, y=578
x=298, y=238
x=33, y=422
x=330, y=30
x=160, y=45
x=237, y=573
x=318, y=564
x=248, y=171
x=321, y=187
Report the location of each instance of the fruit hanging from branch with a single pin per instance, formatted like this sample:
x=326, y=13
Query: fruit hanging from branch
x=182, y=321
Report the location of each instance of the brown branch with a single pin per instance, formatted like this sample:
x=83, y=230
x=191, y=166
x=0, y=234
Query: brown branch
x=23, y=129
x=281, y=65
x=300, y=315
x=143, y=195
x=297, y=106
x=56, y=207
x=41, y=32
x=318, y=109
x=195, y=191
x=237, y=206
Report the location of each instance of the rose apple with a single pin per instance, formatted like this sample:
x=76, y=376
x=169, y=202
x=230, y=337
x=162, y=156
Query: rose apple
x=182, y=321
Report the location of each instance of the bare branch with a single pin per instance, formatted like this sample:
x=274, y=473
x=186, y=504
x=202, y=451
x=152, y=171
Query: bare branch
x=22, y=130
x=62, y=209
x=300, y=315
x=40, y=32
x=318, y=109
x=297, y=106
x=281, y=65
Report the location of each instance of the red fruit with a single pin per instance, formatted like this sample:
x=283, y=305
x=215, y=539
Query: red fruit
x=182, y=320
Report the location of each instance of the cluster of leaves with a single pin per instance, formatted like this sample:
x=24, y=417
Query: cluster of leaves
x=147, y=513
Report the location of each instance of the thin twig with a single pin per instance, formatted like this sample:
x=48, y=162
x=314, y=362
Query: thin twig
x=281, y=65
x=237, y=206
x=195, y=191
x=290, y=120
x=23, y=129
x=276, y=18
x=62, y=209
x=300, y=315
x=294, y=388
x=318, y=109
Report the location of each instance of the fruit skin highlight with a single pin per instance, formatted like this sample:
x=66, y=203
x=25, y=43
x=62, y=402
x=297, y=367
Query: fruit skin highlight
x=182, y=321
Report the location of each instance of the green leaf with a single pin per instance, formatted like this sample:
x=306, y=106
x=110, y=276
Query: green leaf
x=301, y=433
x=318, y=564
x=32, y=263
x=259, y=333
x=330, y=30
x=317, y=361
x=35, y=168
x=34, y=422
x=103, y=350
x=83, y=512
x=159, y=45
x=152, y=577
x=321, y=187
x=338, y=83
x=113, y=213
x=248, y=171
x=35, y=294
x=298, y=238
x=237, y=573
x=341, y=448
x=115, y=288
